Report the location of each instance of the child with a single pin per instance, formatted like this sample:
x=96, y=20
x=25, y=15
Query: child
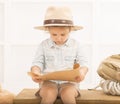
x=58, y=53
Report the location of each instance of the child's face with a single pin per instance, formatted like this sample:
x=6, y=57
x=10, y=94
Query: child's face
x=59, y=34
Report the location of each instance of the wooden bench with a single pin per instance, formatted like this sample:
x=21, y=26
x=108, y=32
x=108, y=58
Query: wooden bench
x=27, y=96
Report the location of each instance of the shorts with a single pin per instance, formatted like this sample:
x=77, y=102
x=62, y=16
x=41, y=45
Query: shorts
x=60, y=85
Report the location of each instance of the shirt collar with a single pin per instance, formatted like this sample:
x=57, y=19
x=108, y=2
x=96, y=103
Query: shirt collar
x=52, y=43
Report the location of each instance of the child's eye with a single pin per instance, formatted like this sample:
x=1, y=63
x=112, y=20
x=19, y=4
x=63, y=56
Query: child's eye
x=54, y=34
x=62, y=34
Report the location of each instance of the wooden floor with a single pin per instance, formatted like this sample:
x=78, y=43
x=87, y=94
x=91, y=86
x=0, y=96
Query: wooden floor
x=27, y=96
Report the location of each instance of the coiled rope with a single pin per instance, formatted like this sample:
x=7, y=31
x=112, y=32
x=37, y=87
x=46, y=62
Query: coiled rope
x=109, y=87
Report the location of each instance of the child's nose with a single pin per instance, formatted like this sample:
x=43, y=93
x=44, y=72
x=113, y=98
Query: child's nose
x=59, y=38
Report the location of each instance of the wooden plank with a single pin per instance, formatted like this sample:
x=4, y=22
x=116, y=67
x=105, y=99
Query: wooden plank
x=96, y=97
x=27, y=96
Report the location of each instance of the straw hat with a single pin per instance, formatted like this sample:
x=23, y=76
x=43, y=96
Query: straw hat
x=58, y=16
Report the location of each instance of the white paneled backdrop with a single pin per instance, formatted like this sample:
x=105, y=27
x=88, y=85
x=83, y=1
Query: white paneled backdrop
x=19, y=40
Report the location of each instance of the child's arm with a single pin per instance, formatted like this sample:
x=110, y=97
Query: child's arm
x=66, y=75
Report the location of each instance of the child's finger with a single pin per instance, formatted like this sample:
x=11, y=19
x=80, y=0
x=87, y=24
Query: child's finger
x=33, y=74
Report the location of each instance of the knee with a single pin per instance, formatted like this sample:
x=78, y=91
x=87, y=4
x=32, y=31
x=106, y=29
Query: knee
x=67, y=92
x=48, y=93
x=68, y=95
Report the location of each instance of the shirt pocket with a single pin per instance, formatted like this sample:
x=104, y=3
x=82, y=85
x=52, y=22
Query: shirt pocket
x=49, y=58
x=69, y=59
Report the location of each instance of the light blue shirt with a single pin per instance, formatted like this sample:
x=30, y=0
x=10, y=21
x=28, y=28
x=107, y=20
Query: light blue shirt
x=51, y=57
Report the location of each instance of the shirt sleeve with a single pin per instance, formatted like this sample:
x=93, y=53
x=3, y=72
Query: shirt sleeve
x=82, y=58
x=38, y=59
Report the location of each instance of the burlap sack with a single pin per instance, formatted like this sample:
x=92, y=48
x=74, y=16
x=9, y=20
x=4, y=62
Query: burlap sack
x=6, y=97
x=109, y=69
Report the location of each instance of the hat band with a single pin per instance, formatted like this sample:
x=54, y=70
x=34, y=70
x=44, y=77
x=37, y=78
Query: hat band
x=57, y=21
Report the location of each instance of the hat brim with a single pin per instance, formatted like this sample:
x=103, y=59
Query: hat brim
x=73, y=28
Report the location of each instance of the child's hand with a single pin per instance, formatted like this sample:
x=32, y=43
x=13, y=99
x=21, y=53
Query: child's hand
x=83, y=72
x=80, y=77
x=36, y=77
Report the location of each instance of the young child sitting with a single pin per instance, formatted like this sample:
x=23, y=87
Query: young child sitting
x=59, y=52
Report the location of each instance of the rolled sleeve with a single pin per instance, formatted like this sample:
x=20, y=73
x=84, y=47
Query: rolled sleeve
x=82, y=57
x=39, y=58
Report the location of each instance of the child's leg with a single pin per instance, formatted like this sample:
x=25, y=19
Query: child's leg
x=68, y=92
x=48, y=92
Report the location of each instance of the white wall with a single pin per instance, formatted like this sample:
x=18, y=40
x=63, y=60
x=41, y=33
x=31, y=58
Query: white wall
x=18, y=39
